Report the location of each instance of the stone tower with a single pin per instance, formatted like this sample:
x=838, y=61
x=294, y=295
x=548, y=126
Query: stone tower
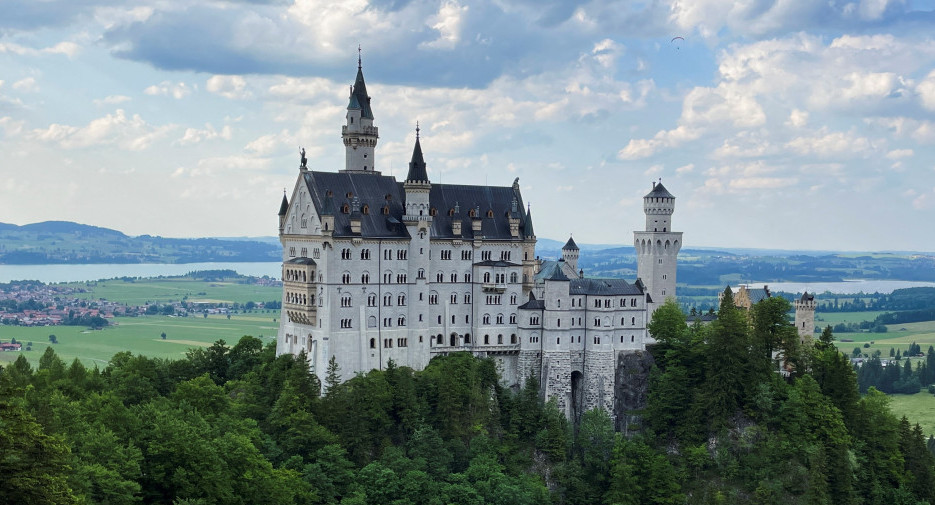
x=805, y=316
x=360, y=136
x=570, y=253
x=657, y=247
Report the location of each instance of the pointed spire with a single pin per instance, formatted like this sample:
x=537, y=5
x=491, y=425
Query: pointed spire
x=359, y=98
x=284, y=206
x=527, y=226
x=417, y=170
x=570, y=245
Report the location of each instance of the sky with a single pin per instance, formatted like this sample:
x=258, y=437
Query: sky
x=785, y=124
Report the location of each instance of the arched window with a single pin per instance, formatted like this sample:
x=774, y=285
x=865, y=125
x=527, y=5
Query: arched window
x=386, y=210
x=472, y=213
x=365, y=210
x=490, y=213
x=513, y=338
x=345, y=209
x=433, y=211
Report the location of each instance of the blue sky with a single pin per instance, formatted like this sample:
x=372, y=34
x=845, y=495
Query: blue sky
x=793, y=124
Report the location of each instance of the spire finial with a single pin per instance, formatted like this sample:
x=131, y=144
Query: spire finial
x=358, y=56
x=417, y=130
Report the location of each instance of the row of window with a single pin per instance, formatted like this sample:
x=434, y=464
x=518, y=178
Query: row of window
x=295, y=275
x=534, y=320
x=316, y=253
x=300, y=298
x=499, y=319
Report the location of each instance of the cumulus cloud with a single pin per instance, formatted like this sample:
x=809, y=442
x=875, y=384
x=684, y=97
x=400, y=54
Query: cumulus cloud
x=196, y=135
x=448, y=23
x=644, y=148
x=177, y=90
x=68, y=49
x=831, y=144
x=127, y=132
x=112, y=100
x=233, y=87
x=27, y=85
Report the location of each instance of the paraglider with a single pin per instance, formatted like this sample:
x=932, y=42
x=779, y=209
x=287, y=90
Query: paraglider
x=677, y=44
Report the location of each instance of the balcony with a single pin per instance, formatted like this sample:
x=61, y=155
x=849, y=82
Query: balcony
x=490, y=287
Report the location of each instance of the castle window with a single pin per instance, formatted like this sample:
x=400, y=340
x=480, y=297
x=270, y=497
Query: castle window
x=489, y=213
x=558, y=341
x=513, y=320
x=471, y=213
x=467, y=319
x=633, y=321
x=454, y=298
x=401, y=300
x=439, y=322
x=467, y=297
x=439, y=277
x=467, y=338
x=487, y=339
x=633, y=302
x=420, y=274
x=632, y=338
x=499, y=318
x=346, y=278
x=433, y=299
x=433, y=211
x=467, y=277
x=371, y=300
x=513, y=338
x=386, y=210
x=453, y=319
x=512, y=299
x=401, y=322
x=387, y=300
x=365, y=210
x=485, y=255
x=346, y=300
x=514, y=277
x=454, y=277
x=365, y=254
x=486, y=276
x=499, y=339
x=486, y=318
x=373, y=343
x=350, y=195
x=345, y=209
x=451, y=211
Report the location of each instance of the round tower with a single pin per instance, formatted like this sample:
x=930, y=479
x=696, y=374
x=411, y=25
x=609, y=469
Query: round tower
x=805, y=316
x=359, y=134
x=657, y=247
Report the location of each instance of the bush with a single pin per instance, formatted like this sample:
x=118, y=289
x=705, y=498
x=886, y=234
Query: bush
x=866, y=346
x=931, y=389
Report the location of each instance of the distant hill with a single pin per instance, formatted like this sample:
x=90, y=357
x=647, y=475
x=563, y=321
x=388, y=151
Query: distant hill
x=56, y=242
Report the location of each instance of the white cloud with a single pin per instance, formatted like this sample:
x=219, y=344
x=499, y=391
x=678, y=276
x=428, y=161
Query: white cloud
x=69, y=49
x=27, y=85
x=127, y=132
x=176, y=90
x=798, y=118
x=447, y=22
x=270, y=144
x=926, y=91
x=644, y=148
x=112, y=100
x=653, y=170
x=830, y=144
x=685, y=169
x=899, y=154
x=233, y=87
x=195, y=135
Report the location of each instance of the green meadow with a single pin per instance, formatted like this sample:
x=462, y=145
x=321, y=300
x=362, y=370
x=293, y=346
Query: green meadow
x=139, y=335
x=918, y=409
x=171, y=289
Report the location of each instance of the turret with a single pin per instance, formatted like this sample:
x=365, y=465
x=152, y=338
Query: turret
x=805, y=316
x=570, y=253
x=283, y=209
x=659, y=205
x=417, y=186
x=360, y=136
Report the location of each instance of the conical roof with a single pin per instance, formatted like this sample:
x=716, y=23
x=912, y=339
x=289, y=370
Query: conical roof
x=417, y=170
x=359, y=98
x=284, y=206
x=570, y=245
x=527, y=226
x=659, y=191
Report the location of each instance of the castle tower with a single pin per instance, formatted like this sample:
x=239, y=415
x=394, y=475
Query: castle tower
x=570, y=253
x=805, y=316
x=657, y=247
x=360, y=136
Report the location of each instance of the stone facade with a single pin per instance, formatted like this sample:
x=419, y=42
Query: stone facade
x=376, y=270
x=805, y=317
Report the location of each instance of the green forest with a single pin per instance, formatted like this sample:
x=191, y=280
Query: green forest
x=239, y=425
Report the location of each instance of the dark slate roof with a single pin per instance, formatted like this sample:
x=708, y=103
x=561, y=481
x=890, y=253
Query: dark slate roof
x=603, y=287
x=757, y=294
x=533, y=304
x=372, y=190
x=360, y=96
x=496, y=263
x=807, y=297
x=570, y=245
x=557, y=275
x=284, y=206
x=301, y=261
x=659, y=191
x=547, y=268
x=499, y=199
x=417, y=171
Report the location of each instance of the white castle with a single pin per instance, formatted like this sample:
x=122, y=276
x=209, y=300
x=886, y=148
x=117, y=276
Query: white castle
x=377, y=270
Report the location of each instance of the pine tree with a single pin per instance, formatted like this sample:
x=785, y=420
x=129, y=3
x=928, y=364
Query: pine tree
x=727, y=360
x=332, y=377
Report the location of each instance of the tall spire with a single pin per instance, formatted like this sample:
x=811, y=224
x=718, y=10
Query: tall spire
x=417, y=170
x=359, y=92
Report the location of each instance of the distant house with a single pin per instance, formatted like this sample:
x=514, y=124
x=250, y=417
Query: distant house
x=6, y=346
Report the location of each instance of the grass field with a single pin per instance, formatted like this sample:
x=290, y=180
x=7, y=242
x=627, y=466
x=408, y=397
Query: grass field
x=918, y=408
x=140, y=335
x=898, y=336
x=174, y=289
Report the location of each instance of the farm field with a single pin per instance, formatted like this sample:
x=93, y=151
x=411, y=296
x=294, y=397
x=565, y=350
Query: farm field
x=139, y=335
x=898, y=336
x=918, y=408
x=173, y=289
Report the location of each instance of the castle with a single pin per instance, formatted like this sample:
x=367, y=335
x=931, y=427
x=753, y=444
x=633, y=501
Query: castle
x=377, y=270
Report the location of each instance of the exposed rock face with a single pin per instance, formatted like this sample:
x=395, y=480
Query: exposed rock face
x=631, y=388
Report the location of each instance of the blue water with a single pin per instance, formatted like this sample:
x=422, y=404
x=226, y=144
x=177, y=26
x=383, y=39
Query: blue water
x=78, y=273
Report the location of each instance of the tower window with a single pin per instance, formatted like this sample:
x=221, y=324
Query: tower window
x=386, y=210
x=489, y=213
x=366, y=210
x=433, y=211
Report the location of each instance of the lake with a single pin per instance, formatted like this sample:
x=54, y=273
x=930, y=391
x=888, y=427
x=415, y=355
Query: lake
x=846, y=287
x=78, y=273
